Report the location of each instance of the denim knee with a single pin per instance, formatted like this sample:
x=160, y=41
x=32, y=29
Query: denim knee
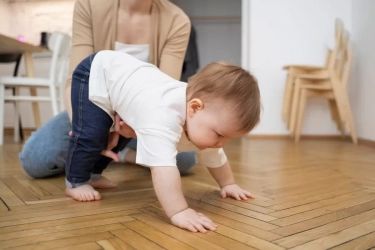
x=38, y=164
x=44, y=152
x=132, y=144
x=185, y=161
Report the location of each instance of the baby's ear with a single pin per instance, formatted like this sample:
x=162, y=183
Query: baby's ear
x=196, y=104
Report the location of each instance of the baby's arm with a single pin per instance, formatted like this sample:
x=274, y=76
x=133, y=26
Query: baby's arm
x=167, y=184
x=224, y=177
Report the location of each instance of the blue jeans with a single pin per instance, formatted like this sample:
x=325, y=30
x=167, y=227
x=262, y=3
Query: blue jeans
x=90, y=127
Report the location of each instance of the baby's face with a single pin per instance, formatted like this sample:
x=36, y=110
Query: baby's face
x=210, y=125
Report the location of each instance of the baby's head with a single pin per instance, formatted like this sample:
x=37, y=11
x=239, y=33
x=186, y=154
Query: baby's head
x=223, y=102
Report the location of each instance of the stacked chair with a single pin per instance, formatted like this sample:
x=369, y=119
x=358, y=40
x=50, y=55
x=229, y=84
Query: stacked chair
x=327, y=82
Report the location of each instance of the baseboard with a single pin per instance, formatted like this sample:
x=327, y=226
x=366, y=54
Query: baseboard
x=365, y=142
x=361, y=141
x=26, y=131
x=311, y=137
x=265, y=136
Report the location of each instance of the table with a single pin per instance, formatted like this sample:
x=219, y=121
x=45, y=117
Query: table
x=10, y=45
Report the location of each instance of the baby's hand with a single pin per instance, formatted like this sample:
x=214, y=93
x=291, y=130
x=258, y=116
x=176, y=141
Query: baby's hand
x=193, y=221
x=236, y=192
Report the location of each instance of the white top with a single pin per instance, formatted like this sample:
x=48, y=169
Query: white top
x=139, y=51
x=150, y=102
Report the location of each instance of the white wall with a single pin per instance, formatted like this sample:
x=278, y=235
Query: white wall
x=362, y=86
x=29, y=18
x=4, y=16
x=292, y=32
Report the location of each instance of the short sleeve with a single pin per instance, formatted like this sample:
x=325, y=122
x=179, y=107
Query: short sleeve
x=211, y=157
x=156, y=148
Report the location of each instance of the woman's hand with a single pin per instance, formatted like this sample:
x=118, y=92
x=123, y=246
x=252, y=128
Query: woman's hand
x=112, y=143
x=123, y=129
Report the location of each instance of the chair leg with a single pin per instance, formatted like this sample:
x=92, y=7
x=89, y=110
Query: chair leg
x=15, y=91
x=301, y=111
x=339, y=95
x=2, y=102
x=61, y=94
x=53, y=94
x=350, y=122
x=20, y=128
x=336, y=117
x=287, y=96
x=294, y=107
x=16, y=118
x=344, y=107
x=16, y=131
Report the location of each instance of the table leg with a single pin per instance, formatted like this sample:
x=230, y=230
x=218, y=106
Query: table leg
x=31, y=73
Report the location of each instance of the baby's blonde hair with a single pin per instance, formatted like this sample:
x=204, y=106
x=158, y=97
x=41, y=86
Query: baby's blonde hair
x=231, y=83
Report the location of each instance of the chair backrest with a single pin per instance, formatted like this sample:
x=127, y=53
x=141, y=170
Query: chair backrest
x=63, y=72
x=328, y=57
x=348, y=65
x=339, y=27
x=342, y=56
x=59, y=44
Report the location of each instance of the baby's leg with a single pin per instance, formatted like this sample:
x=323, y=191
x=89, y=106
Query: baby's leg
x=99, y=181
x=90, y=127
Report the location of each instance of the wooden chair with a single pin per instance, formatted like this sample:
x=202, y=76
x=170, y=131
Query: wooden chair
x=322, y=74
x=294, y=70
x=333, y=88
x=334, y=68
x=14, y=58
x=59, y=44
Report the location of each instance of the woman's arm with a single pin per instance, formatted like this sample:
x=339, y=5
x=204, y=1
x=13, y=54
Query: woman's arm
x=82, y=44
x=173, y=54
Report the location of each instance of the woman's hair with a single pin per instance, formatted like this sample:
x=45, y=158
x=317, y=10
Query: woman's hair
x=231, y=83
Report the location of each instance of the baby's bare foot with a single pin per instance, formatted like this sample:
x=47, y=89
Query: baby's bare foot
x=83, y=193
x=103, y=182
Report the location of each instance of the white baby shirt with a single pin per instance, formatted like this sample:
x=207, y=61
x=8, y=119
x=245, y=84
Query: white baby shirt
x=150, y=102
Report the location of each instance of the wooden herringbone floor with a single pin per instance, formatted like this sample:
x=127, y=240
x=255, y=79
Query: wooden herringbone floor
x=315, y=195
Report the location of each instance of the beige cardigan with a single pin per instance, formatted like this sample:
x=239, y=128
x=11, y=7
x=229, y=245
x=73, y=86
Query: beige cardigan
x=94, y=29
